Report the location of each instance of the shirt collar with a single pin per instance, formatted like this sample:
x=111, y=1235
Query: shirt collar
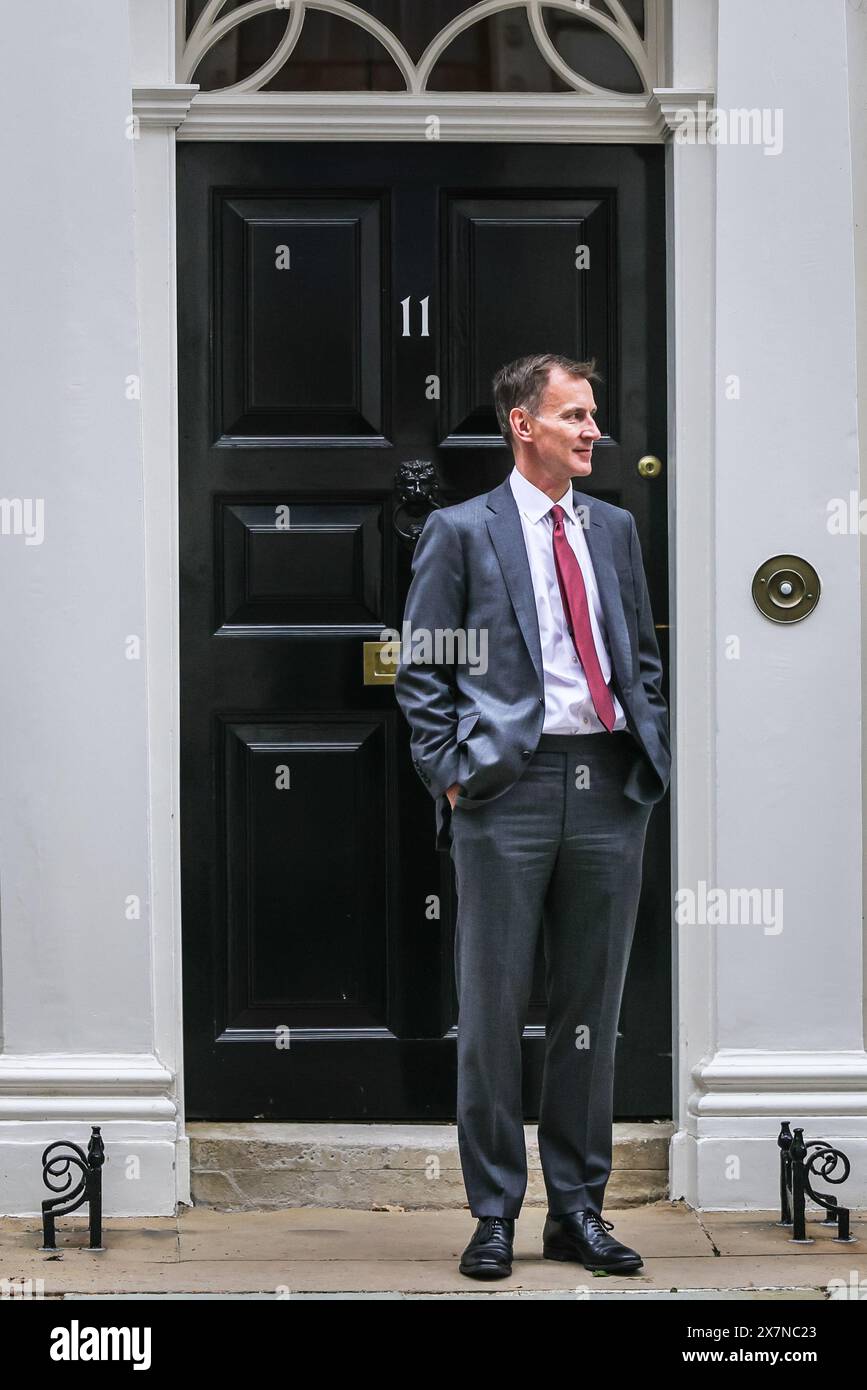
x=533, y=502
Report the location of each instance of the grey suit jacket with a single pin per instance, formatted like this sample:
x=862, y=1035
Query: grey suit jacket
x=479, y=728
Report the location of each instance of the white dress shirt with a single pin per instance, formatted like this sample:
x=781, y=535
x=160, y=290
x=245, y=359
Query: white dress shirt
x=569, y=707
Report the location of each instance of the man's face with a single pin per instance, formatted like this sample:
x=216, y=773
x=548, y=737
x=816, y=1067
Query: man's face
x=560, y=439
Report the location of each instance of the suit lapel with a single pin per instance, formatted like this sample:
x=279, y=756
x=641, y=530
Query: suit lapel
x=504, y=528
x=507, y=536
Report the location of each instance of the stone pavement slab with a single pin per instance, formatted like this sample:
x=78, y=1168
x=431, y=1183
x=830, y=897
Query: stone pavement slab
x=309, y=1251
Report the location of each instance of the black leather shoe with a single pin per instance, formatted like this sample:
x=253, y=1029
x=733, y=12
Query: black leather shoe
x=489, y=1253
x=583, y=1236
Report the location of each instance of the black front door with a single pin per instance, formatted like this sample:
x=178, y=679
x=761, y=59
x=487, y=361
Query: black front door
x=342, y=308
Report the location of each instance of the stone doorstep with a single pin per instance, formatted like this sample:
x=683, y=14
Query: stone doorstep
x=247, y=1166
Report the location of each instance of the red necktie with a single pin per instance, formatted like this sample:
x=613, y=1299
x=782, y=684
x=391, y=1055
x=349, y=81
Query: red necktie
x=574, y=596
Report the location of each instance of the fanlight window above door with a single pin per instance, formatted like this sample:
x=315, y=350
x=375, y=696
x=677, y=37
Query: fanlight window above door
x=599, y=48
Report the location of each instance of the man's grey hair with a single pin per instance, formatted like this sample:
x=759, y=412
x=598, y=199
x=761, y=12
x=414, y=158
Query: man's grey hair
x=522, y=383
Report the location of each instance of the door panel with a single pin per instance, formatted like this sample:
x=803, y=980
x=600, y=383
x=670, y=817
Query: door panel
x=496, y=246
x=342, y=308
x=286, y=264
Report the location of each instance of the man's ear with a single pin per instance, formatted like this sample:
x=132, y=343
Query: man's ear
x=520, y=423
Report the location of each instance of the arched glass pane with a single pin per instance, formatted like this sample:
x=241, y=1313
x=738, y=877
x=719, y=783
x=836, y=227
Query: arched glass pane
x=242, y=51
x=195, y=7
x=591, y=52
x=414, y=22
x=335, y=55
x=634, y=8
x=497, y=54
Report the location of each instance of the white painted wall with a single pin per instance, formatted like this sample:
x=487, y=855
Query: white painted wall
x=73, y=812
x=690, y=263
x=856, y=27
x=77, y=991
x=782, y=1032
x=788, y=711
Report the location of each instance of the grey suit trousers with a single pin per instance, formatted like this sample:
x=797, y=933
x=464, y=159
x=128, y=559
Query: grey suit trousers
x=561, y=849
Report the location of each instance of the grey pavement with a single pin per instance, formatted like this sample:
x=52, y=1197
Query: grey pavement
x=393, y=1253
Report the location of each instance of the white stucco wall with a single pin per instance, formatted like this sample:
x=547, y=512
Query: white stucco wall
x=788, y=710
x=73, y=810
x=772, y=1019
x=856, y=19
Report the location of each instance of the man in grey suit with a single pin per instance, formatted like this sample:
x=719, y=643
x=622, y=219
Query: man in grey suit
x=544, y=760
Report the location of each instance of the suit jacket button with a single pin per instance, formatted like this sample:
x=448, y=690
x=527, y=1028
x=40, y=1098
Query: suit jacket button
x=526, y=753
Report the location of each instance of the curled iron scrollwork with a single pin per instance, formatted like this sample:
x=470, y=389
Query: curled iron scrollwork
x=58, y=1159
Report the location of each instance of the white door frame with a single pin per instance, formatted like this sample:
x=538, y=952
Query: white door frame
x=166, y=110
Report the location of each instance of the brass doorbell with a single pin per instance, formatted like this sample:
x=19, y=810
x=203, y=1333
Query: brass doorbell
x=786, y=588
